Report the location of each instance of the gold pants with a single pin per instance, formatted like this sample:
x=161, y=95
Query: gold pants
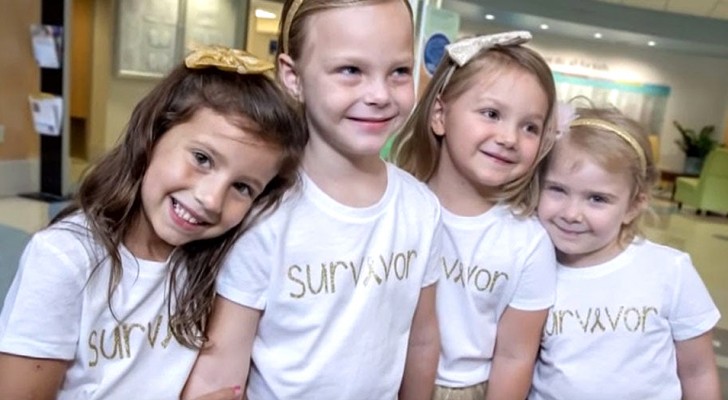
x=475, y=392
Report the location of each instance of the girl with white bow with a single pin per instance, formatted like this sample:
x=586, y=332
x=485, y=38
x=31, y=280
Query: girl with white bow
x=476, y=138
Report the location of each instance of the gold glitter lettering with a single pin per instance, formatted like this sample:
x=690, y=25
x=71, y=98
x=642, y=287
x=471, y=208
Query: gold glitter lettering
x=168, y=339
x=638, y=316
x=411, y=254
x=116, y=346
x=371, y=274
x=95, y=358
x=487, y=282
x=323, y=284
x=614, y=322
x=646, y=310
x=127, y=331
x=554, y=324
x=387, y=265
x=562, y=314
x=582, y=323
x=356, y=272
x=597, y=321
x=152, y=333
x=294, y=279
x=400, y=260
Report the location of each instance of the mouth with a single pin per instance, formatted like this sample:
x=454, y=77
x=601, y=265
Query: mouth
x=569, y=232
x=186, y=216
x=499, y=157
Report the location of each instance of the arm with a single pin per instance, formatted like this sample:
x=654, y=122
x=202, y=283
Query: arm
x=31, y=378
x=696, y=368
x=516, y=347
x=224, y=361
x=423, y=351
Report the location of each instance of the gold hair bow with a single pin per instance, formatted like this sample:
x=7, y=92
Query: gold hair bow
x=464, y=50
x=227, y=59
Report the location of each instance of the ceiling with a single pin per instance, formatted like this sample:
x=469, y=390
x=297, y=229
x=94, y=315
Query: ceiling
x=697, y=27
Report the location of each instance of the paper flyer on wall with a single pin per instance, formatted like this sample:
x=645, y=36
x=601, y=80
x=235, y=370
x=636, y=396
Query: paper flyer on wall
x=47, y=45
x=47, y=112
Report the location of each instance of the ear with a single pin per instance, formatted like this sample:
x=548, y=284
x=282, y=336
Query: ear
x=289, y=77
x=437, y=117
x=639, y=204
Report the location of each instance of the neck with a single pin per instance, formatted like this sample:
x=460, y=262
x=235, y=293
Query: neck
x=358, y=181
x=143, y=242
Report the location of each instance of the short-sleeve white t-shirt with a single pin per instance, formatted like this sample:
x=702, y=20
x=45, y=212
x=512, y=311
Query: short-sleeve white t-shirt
x=489, y=262
x=56, y=308
x=338, y=287
x=611, y=332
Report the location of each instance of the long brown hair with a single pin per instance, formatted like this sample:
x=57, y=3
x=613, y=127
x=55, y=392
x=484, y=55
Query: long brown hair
x=110, y=193
x=416, y=148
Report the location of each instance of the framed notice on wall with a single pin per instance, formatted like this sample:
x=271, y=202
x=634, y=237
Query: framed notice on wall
x=152, y=36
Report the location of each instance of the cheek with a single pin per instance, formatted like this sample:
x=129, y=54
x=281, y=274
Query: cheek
x=235, y=211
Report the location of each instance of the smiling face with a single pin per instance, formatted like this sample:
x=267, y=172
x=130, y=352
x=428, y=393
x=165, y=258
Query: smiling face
x=583, y=206
x=492, y=131
x=202, y=179
x=354, y=76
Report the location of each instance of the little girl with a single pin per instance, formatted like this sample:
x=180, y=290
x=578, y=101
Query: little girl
x=476, y=138
x=333, y=296
x=632, y=319
x=110, y=301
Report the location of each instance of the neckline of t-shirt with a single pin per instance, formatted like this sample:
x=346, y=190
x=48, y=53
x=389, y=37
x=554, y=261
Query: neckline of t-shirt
x=146, y=267
x=341, y=211
x=622, y=260
x=475, y=221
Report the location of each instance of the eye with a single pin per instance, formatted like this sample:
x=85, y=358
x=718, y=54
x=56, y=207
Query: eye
x=597, y=198
x=244, y=189
x=533, y=128
x=555, y=188
x=491, y=113
x=349, y=70
x=202, y=159
x=403, y=72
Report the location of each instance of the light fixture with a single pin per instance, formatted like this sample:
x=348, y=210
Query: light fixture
x=264, y=14
x=544, y=26
x=651, y=43
x=489, y=17
x=597, y=35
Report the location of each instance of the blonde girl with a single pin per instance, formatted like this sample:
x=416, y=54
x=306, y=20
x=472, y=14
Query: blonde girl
x=333, y=296
x=476, y=138
x=632, y=319
x=111, y=299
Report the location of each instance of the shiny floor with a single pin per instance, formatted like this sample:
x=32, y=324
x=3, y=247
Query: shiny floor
x=704, y=237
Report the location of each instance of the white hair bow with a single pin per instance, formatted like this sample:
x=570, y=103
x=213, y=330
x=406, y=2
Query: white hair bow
x=464, y=50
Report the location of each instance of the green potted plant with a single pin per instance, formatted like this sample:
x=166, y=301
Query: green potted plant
x=696, y=146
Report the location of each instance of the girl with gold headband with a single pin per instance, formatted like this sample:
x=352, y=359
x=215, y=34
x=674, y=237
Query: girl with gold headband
x=333, y=296
x=111, y=300
x=632, y=318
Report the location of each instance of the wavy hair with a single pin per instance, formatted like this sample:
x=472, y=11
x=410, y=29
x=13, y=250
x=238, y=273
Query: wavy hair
x=110, y=192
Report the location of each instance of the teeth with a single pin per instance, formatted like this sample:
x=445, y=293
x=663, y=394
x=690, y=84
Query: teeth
x=182, y=213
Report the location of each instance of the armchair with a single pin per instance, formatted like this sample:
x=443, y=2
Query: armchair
x=709, y=191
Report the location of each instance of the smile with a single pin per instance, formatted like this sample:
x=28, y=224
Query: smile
x=498, y=157
x=185, y=215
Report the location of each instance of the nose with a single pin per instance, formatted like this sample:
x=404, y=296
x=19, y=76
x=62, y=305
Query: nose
x=572, y=212
x=377, y=92
x=210, y=194
x=507, y=136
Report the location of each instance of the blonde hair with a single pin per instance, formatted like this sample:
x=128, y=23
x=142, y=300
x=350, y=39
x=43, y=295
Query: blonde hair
x=614, y=154
x=292, y=32
x=416, y=149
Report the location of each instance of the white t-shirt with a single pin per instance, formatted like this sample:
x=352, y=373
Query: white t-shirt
x=57, y=309
x=489, y=262
x=611, y=332
x=339, y=287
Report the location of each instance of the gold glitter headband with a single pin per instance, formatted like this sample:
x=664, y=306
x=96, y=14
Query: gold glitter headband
x=227, y=59
x=626, y=136
x=288, y=20
x=462, y=51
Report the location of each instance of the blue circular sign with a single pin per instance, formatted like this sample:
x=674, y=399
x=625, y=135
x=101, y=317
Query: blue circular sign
x=434, y=50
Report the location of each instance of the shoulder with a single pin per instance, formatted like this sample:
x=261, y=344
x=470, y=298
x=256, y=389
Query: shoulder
x=70, y=239
x=529, y=227
x=655, y=254
x=411, y=188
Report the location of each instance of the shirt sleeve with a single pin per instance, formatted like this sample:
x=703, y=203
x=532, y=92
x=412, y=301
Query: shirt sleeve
x=692, y=312
x=42, y=311
x=245, y=275
x=536, y=289
x=432, y=275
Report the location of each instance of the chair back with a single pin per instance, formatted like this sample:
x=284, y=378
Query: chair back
x=12, y=244
x=713, y=183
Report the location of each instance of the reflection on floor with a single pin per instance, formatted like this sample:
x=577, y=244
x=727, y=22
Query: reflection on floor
x=704, y=237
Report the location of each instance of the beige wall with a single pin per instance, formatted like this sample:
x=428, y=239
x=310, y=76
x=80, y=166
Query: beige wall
x=19, y=76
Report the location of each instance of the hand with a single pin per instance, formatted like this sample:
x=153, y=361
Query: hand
x=231, y=393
